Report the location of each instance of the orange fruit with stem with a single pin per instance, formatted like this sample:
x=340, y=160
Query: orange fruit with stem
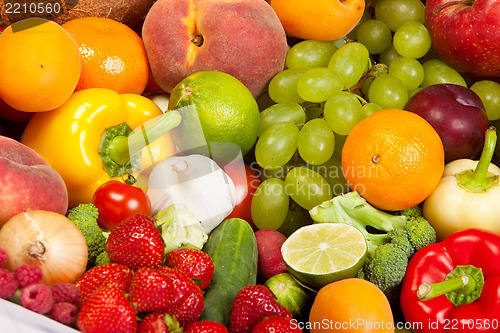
x=393, y=158
x=318, y=19
x=352, y=306
x=112, y=54
x=39, y=65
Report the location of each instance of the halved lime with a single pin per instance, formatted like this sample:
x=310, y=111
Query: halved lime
x=321, y=253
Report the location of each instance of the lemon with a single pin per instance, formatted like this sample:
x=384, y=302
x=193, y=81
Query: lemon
x=219, y=112
x=319, y=254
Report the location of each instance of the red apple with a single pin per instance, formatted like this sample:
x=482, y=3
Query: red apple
x=458, y=116
x=466, y=34
x=243, y=38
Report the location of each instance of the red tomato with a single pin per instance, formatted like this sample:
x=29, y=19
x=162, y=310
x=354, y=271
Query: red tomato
x=246, y=184
x=116, y=201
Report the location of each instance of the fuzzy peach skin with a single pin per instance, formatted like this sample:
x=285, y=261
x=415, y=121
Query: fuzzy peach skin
x=28, y=182
x=243, y=38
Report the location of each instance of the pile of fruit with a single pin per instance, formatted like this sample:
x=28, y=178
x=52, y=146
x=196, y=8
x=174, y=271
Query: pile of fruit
x=251, y=166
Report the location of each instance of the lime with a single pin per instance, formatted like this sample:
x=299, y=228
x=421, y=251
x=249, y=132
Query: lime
x=290, y=293
x=318, y=254
x=223, y=106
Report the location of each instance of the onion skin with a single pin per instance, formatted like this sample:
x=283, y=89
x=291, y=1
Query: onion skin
x=46, y=239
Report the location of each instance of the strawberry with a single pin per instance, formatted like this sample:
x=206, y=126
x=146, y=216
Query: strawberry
x=188, y=298
x=195, y=263
x=205, y=326
x=114, y=275
x=136, y=242
x=251, y=305
x=107, y=310
x=151, y=290
x=276, y=324
x=154, y=322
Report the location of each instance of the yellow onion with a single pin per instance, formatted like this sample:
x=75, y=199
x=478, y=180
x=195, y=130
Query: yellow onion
x=46, y=239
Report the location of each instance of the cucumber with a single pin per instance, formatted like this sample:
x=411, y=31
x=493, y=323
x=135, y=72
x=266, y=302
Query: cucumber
x=233, y=249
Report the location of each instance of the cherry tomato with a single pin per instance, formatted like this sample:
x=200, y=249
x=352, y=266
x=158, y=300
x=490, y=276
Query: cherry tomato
x=246, y=184
x=116, y=201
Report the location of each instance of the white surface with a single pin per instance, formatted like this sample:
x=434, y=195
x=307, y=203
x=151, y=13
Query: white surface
x=16, y=319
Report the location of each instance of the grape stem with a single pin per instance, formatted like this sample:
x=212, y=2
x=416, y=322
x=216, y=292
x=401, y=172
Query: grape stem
x=453, y=3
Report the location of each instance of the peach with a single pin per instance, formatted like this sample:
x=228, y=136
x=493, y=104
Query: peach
x=28, y=182
x=243, y=38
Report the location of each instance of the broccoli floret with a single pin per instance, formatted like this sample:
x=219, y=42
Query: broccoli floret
x=420, y=232
x=391, y=238
x=387, y=267
x=412, y=212
x=102, y=258
x=401, y=239
x=84, y=216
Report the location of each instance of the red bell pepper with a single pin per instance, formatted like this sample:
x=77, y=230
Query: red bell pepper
x=454, y=285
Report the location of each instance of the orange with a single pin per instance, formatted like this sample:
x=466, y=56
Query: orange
x=113, y=55
x=393, y=158
x=318, y=19
x=39, y=65
x=351, y=305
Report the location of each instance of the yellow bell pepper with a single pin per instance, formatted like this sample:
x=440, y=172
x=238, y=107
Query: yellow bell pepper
x=468, y=194
x=69, y=138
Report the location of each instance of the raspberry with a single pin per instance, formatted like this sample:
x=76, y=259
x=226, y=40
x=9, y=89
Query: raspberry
x=64, y=312
x=65, y=292
x=8, y=283
x=3, y=256
x=37, y=297
x=28, y=274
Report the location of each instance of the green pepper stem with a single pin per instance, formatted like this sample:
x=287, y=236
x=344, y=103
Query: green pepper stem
x=480, y=179
x=427, y=291
x=122, y=147
x=463, y=285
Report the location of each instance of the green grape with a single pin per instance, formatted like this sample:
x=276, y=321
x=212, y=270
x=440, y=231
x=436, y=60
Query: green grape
x=283, y=86
x=370, y=108
x=316, y=142
x=351, y=62
x=489, y=92
x=412, y=40
x=307, y=187
x=342, y=112
x=339, y=144
x=388, y=92
x=317, y=84
x=397, y=12
x=279, y=172
x=409, y=71
x=276, y=146
x=313, y=110
x=331, y=170
x=280, y=112
x=374, y=71
x=388, y=55
x=310, y=54
x=375, y=35
x=295, y=219
x=269, y=206
x=436, y=71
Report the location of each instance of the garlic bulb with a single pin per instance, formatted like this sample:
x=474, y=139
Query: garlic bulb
x=195, y=181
